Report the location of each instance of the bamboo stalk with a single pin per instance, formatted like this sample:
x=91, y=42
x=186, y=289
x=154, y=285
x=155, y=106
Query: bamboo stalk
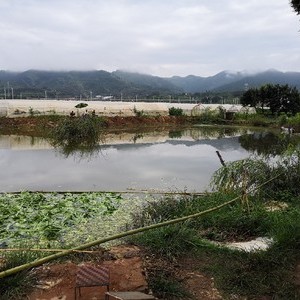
x=43, y=250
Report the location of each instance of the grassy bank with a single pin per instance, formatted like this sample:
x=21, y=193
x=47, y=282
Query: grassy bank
x=273, y=212
x=44, y=125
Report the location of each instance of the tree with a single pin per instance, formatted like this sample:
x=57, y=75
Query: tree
x=250, y=98
x=296, y=5
x=289, y=100
x=279, y=98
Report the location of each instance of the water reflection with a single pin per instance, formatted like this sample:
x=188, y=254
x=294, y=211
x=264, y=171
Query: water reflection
x=268, y=143
x=160, y=160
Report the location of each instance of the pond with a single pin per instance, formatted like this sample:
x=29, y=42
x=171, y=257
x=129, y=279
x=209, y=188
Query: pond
x=163, y=160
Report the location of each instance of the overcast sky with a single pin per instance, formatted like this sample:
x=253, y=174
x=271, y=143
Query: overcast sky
x=158, y=37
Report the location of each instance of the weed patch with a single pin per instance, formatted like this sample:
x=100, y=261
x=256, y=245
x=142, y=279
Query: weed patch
x=17, y=286
x=77, y=134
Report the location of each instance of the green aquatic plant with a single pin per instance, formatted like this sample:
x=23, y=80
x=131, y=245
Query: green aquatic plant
x=46, y=217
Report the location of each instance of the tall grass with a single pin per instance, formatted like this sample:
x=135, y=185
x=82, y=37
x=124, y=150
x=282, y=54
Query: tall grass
x=17, y=286
x=166, y=286
x=77, y=134
x=254, y=171
x=256, y=119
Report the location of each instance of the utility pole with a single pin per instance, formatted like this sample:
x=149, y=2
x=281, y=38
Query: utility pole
x=12, y=93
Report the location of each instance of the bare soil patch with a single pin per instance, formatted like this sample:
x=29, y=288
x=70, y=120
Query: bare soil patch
x=129, y=268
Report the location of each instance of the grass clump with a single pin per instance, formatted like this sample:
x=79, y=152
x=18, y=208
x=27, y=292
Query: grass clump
x=77, y=134
x=81, y=130
x=166, y=287
x=17, y=286
x=168, y=242
x=208, y=116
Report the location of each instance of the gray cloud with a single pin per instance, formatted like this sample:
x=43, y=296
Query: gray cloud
x=165, y=38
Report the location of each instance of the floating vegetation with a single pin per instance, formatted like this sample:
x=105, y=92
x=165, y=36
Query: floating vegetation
x=40, y=218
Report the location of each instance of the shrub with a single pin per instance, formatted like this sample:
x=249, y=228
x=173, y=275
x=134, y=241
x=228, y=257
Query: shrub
x=77, y=134
x=175, y=111
x=81, y=105
x=138, y=113
x=208, y=116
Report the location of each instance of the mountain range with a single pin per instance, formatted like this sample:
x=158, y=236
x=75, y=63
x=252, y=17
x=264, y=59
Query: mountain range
x=33, y=83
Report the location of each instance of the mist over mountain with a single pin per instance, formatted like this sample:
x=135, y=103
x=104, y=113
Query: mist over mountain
x=227, y=81
x=33, y=83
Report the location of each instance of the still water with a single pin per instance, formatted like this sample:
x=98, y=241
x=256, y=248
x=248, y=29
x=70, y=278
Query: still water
x=161, y=160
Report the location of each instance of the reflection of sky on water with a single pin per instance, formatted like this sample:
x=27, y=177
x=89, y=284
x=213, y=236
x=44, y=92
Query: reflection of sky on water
x=173, y=165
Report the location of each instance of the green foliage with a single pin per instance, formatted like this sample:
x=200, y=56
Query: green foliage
x=287, y=230
x=231, y=177
x=17, y=286
x=82, y=133
x=175, y=134
x=294, y=122
x=288, y=167
x=46, y=217
x=175, y=111
x=285, y=171
x=268, y=143
x=81, y=105
x=236, y=272
x=262, y=273
x=254, y=275
x=138, y=113
x=250, y=97
x=168, y=242
x=31, y=111
x=229, y=223
x=166, y=287
x=208, y=116
x=283, y=119
x=256, y=119
x=279, y=98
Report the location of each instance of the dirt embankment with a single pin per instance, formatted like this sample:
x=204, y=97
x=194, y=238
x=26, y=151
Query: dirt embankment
x=41, y=126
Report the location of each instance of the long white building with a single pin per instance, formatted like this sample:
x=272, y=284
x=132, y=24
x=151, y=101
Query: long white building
x=22, y=108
